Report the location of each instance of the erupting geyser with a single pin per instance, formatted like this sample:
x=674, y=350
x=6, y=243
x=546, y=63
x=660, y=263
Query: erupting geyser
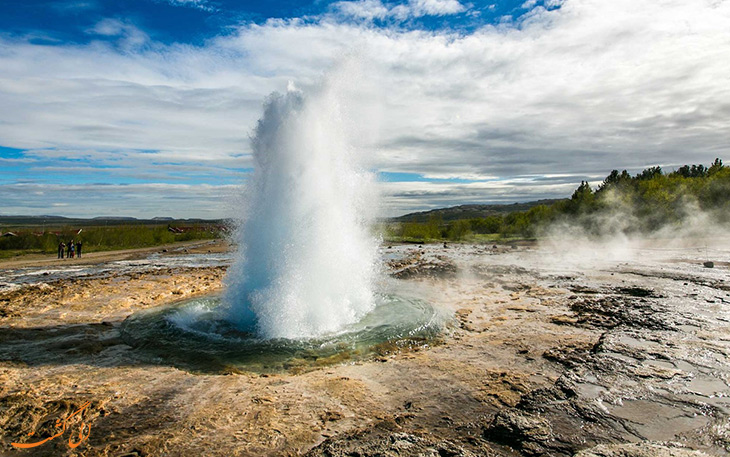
x=307, y=259
x=301, y=292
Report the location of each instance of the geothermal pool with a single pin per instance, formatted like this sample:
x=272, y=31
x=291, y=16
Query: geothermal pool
x=196, y=335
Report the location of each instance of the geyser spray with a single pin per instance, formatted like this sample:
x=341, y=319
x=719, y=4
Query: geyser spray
x=306, y=255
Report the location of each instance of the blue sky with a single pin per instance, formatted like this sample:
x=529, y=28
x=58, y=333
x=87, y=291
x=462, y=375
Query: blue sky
x=145, y=107
x=178, y=21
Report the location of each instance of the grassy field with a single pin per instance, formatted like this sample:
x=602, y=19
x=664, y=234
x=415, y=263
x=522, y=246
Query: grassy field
x=440, y=232
x=11, y=253
x=473, y=238
x=45, y=240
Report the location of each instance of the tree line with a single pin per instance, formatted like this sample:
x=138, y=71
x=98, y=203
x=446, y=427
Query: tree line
x=646, y=202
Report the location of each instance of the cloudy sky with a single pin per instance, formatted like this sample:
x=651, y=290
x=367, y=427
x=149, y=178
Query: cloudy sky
x=145, y=107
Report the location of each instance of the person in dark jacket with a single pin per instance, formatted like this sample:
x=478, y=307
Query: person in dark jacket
x=78, y=249
x=61, y=249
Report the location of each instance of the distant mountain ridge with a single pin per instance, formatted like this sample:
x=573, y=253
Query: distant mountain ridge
x=101, y=220
x=472, y=211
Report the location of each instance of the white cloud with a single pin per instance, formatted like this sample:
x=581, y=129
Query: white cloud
x=73, y=6
x=109, y=27
x=376, y=9
x=363, y=9
x=419, y=196
x=200, y=4
x=578, y=90
x=134, y=200
x=129, y=35
x=418, y=8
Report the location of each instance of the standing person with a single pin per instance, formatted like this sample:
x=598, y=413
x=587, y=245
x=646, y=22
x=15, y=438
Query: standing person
x=68, y=249
x=78, y=249
x=61, y=249
x=72, y=249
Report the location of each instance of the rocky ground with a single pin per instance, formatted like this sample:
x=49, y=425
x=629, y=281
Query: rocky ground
x=546, y=354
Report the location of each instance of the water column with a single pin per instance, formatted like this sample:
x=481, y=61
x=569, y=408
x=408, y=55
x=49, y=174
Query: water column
x=306, y=260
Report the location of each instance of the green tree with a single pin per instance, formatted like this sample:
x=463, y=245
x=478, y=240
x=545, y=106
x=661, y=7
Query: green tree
x=459, y=229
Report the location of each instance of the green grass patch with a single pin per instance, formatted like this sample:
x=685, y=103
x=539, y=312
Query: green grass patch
x=13, y=253
x=103, y=238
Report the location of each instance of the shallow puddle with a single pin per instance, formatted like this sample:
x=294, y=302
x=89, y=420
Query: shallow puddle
x=658, y=421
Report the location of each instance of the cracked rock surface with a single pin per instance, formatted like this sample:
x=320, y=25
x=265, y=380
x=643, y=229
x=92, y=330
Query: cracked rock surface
x=543, y=354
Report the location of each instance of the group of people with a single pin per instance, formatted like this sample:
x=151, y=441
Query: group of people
x=70, y=250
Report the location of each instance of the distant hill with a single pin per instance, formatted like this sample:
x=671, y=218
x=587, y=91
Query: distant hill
x=471, y=211
x=34, y=221
x=115, y=218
